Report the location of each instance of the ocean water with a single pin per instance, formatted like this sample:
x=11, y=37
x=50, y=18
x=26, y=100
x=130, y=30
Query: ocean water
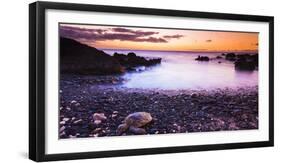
x=180, y=70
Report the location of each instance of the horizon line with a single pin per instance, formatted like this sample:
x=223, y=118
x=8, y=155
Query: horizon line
x=199, y=50
x=195, y=50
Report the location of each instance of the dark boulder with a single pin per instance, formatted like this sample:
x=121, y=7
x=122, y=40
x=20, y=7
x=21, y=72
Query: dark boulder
x=76, y=57
x=202, y=58
x=245, y=65
x=230, y=56
x=131, y=54
x=131, y=60
x=243, y=56
x=255, y=59
x=247, y=62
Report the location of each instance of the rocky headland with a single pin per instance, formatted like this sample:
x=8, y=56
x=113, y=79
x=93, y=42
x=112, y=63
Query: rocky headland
x=77, y=58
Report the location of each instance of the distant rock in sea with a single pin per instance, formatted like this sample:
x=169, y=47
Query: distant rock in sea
x=131, y=60
x=230, y=56
x=202, y=58
x=246, y=62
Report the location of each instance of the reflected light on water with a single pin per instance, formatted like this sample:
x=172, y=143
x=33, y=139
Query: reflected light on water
x=179, y=70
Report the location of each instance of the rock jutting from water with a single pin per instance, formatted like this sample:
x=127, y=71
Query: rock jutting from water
x=131, y=60
x=246, y=62
x=202, y=58
x=230, y=56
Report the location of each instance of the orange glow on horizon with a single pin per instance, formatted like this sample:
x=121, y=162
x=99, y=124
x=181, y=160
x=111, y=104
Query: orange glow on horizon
x=192, y=40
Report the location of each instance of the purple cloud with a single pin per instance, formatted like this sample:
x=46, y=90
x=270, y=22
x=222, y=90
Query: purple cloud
x=122, y=34
x=69, y=28
x=137, y=32
x=151, y=39
x=177, y=36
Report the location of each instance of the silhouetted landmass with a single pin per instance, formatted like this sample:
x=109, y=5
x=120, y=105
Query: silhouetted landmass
x=83, y=59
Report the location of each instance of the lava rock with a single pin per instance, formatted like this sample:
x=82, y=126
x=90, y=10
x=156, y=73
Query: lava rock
x=202, y=58
x=230, y=56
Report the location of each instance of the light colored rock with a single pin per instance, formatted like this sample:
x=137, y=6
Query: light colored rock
x=97, y=130
x=114, y=114
x=78, y=121
x=62, y=122
x=73, y=102
x=62, y=134
x=71, y=136
x=62, y=128
x=134, y=122
x=97, y=122
x=65, y=119
x=99, y=116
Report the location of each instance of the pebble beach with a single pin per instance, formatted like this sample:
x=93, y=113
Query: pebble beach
x=94, y=106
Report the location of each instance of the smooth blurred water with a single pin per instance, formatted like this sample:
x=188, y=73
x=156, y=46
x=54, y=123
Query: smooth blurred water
x=180, y=70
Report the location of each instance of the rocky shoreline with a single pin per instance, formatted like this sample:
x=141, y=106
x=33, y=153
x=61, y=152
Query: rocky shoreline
x=94, y=106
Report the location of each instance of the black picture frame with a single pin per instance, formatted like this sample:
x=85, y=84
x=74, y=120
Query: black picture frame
x=37, y=79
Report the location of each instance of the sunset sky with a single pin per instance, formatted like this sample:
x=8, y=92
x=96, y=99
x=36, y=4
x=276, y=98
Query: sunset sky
x=119, y=37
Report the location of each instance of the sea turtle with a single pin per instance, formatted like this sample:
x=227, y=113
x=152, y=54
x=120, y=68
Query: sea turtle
x=133, y=122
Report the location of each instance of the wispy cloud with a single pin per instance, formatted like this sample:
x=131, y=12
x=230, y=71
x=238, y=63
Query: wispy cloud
x=139, y=33
x=118, y=33
x=177, y=36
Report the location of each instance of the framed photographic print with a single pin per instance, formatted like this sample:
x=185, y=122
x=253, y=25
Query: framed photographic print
x=117, y=81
